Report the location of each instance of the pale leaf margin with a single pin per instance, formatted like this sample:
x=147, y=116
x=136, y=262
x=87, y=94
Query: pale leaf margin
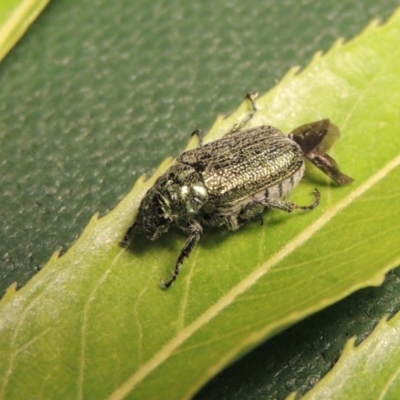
x=370, y=370
x=249, y=281
x=98, y=234
x=221, y=125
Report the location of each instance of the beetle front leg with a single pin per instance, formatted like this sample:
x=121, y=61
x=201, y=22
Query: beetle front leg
x=195, y=230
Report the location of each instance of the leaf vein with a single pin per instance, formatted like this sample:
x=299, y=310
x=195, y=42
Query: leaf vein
x=126, y=387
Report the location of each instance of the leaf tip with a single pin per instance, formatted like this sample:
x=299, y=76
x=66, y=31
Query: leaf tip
x=373, y=25
x=338, y=43
x=142, y=179
x=54, y=257
x=394, y=16
x=290, y=74
x=9, y=294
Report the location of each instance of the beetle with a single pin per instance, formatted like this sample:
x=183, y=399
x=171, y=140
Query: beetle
x=230, y=181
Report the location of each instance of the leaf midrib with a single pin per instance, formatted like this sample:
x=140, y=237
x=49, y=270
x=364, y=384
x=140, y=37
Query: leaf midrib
x=126, y=387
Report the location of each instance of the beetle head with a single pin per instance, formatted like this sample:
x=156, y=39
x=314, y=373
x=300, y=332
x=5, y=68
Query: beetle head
x=176, y=197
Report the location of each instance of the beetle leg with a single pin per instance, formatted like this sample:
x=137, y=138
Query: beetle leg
x=195, y=231
x=310, y=136
x=315, y=139
x=260, y=219
x=252, y=211
x=199, y=135
x=313, y=205
x=288, y=206
x=125, y=242
x=237, y=127
x=328, y=165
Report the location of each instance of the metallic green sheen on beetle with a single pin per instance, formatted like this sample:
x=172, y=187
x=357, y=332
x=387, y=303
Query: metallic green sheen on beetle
x=232, y=180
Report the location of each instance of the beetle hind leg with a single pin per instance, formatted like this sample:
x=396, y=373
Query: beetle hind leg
x=237, y=127
x=313, y=205
x=314, y=139
x=328, y=165
x=288, y=206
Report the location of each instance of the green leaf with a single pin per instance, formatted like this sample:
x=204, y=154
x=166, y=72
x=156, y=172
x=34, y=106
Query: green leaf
x=15, y=18
x=368, y=371
x=94, y=322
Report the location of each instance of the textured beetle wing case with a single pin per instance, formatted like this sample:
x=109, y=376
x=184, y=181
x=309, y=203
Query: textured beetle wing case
x=244, y=163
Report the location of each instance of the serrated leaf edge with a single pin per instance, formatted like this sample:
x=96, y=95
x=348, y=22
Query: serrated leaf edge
x=350, y=348
x=125, y=388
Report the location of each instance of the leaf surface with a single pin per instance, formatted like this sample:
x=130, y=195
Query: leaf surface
x=368, y=371
x=94, y=322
